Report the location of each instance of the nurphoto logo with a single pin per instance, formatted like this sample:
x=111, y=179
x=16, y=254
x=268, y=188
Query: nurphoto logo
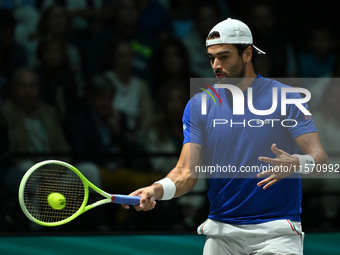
x=238, y=100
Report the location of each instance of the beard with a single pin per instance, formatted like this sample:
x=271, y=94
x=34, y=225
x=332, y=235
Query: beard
x=236, y=72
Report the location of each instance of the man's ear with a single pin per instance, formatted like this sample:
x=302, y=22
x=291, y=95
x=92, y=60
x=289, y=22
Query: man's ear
x=247, y=54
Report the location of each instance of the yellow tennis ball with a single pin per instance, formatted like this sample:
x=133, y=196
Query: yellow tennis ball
x=56, y=200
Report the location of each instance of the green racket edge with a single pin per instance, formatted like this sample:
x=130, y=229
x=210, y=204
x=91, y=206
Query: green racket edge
x=83, y=207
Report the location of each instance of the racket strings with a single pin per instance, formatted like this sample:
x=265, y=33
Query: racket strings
x=53, y=178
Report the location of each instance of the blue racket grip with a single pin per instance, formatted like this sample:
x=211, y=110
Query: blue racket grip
x=125, y=199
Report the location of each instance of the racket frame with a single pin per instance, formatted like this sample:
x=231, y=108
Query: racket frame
x=108, y=198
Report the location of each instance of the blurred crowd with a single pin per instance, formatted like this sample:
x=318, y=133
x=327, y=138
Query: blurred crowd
x=103, y=84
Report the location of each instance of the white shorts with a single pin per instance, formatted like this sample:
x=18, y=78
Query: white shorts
x=273, y=237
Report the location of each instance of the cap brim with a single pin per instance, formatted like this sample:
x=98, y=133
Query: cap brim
x=258, y=50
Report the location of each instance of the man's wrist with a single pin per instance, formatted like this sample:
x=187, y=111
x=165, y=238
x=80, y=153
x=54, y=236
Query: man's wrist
x=306, y=163
x=158, y=190
x=165, y=189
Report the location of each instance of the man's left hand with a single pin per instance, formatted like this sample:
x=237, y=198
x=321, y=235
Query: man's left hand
x=283, y=165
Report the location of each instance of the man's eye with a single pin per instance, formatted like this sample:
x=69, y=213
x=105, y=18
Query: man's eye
x=211, y=59
x=223, y=57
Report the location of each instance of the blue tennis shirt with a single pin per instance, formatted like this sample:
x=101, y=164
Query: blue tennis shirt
x=234, y=141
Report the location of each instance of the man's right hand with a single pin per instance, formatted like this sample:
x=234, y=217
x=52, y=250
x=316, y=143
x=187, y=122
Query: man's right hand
x=148, y=197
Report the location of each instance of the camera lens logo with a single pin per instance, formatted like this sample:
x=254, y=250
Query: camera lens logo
x=204, y=97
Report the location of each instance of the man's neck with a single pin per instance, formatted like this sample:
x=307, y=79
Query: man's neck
x=248, y=79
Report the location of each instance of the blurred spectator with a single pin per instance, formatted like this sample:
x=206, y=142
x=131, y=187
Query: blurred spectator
x=206, y=16
x=166, y=134
x=327, y=118
x=27, y=17
x=12, y=56
x=171, y=64
x=55, y=22
x=327, y=121
x=317, y=60
x=183, y=11
x=81, y=11
x=154, y=19
x=181, y=16
x=98, y=129
x=132, y=94
x=121, y=21
x=69, y=20
x=4, y=149
x=84, y=17
x=280, y=59
x=58, y=85
x=33, y=126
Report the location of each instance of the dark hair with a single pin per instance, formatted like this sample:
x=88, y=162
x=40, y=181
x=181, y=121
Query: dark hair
x=100, y=85
x=203, y=4
x=161, y=120
x=242, y=47
x=159, y=54
x=213, y=35
x=43, y=28
x=18, y=74
x=113, y=49
x=46, y=42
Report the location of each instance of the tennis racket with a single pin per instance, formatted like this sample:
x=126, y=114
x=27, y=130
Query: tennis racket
x=53, y=193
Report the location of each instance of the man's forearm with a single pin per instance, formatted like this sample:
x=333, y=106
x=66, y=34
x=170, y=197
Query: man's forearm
x=183, y=180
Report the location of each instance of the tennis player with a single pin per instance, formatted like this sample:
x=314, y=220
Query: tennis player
x=259, y=215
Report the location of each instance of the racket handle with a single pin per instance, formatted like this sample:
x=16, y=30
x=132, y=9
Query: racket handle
x=125, y=199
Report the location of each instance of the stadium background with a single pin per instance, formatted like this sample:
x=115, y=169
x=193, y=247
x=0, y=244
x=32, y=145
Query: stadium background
x=67, y=59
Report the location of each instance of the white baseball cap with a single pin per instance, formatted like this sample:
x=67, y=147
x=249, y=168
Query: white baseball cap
x=232, y=31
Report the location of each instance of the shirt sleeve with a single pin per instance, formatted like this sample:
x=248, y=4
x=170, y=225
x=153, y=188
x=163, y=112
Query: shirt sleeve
x=191, y=123
x=304, y=123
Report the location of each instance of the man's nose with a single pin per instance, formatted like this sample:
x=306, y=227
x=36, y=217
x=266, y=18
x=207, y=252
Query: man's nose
x=216, y=65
